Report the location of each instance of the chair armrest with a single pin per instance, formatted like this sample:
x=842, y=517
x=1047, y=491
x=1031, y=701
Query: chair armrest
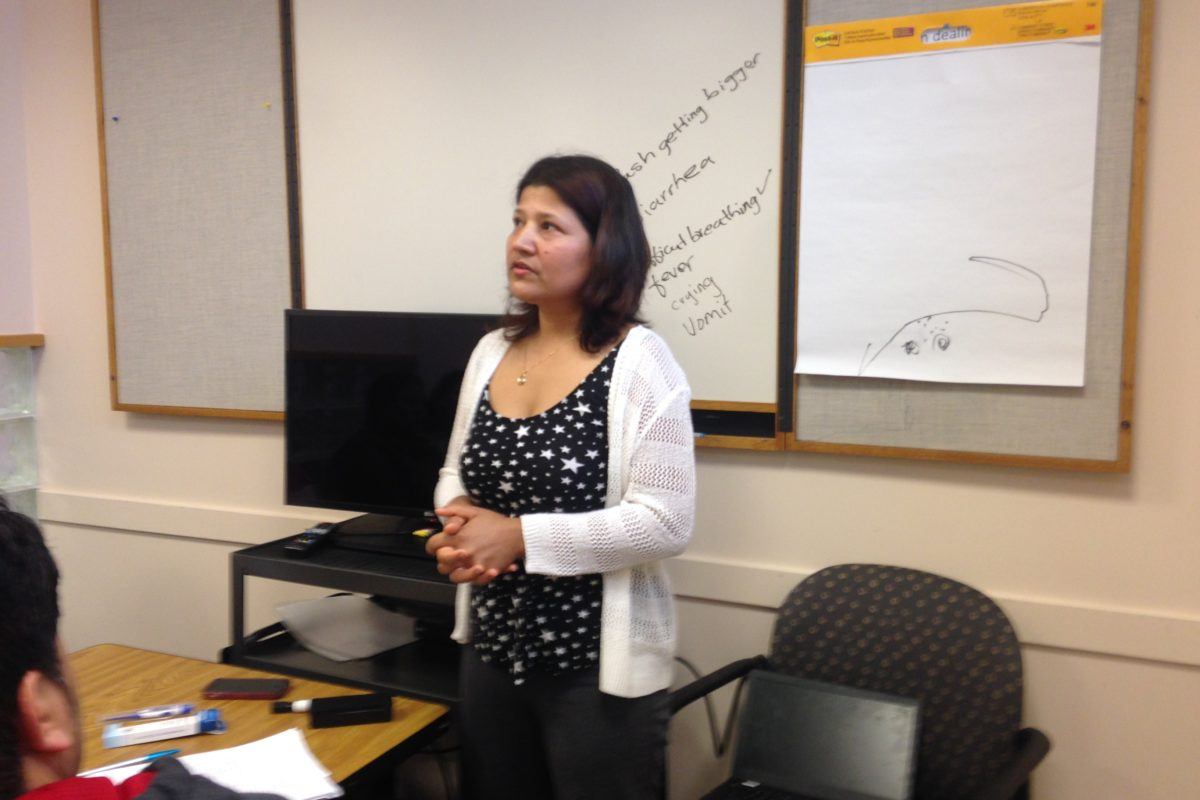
x=1030, y=746
x=706, y=684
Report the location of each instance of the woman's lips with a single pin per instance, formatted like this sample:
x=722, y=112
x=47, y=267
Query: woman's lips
x=521, y=269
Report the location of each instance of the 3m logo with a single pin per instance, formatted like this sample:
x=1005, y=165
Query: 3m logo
x=827, y=39
x=901, y=33
x=946, y=33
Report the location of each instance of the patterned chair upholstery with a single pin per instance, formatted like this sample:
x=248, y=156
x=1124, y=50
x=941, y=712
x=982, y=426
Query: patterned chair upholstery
x=915, y=634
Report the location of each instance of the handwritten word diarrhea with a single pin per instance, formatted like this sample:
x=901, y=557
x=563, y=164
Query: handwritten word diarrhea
x=731, y=213
x=678, y=181
x=694, y=116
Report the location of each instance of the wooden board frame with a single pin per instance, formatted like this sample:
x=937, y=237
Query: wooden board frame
x=22, y=340
x=795, y=440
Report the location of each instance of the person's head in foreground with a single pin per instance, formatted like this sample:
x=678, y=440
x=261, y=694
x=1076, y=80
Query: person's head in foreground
x=39, y=725
x=40, y=736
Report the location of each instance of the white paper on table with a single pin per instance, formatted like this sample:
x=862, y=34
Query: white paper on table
x=281, y=764
x=946, y=214
x=346, y=627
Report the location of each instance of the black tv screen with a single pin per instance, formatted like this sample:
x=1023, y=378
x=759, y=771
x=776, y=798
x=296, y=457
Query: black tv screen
x=370, y=402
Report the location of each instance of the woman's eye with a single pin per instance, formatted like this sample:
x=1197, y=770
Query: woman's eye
x=549, y=226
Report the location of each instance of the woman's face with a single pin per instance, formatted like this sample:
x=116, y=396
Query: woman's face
x=549, y=251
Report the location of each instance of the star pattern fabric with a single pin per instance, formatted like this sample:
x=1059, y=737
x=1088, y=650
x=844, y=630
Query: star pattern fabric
x=555, y=462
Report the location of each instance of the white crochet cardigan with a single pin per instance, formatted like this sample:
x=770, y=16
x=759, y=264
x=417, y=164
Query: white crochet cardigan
x=648, y=515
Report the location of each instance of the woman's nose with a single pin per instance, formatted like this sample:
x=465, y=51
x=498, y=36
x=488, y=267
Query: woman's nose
x=522, y=237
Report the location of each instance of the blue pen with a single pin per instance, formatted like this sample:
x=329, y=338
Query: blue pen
x=153, y=712
x=131, y=762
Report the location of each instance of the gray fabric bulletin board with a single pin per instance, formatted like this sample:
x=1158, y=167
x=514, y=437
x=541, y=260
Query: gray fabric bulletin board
x=192, y=129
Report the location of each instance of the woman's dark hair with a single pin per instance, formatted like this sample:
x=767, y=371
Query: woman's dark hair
x=604, y=202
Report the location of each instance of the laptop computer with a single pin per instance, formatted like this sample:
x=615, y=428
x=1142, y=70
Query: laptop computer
x=799, y=739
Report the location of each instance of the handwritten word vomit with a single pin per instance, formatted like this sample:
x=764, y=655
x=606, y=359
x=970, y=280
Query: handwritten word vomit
x=694, y=325
x=709, y=293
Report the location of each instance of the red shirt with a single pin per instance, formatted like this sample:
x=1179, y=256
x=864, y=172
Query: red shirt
x=92, y=788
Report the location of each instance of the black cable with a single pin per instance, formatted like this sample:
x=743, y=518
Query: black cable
x=720, y=742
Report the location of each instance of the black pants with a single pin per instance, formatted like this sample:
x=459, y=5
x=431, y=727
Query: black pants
x=558, y=737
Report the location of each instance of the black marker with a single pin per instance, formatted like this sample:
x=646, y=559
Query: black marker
x=284, y=706
x=328, y=712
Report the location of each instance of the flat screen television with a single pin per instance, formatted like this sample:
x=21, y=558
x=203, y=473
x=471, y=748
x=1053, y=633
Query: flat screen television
x=370, y=400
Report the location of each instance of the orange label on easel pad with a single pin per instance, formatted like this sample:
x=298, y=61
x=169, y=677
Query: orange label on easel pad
x=1017, y=23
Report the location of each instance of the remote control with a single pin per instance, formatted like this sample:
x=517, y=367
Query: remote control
x=303, y=545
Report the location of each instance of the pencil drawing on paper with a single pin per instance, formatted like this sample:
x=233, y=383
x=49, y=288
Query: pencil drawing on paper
x=933, y=334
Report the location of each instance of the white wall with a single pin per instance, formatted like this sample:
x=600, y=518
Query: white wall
x=1101, y=573
x=16, y=294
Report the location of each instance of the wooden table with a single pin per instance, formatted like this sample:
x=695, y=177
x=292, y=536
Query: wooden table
x=112, y=678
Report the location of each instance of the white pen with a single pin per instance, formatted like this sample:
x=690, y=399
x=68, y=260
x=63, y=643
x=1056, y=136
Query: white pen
x=131, y=762
x=153, y=712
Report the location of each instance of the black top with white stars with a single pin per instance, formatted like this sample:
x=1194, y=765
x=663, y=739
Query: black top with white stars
x=555, y=462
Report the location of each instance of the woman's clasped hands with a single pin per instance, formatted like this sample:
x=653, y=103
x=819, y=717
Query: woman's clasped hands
x=475, y=544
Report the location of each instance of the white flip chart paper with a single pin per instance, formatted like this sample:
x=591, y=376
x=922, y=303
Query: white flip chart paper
x=946, y=214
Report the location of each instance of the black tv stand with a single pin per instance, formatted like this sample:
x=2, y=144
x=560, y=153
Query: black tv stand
x=426, y=669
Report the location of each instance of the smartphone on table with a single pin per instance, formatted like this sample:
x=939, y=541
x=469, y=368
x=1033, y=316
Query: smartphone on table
x=246, y=689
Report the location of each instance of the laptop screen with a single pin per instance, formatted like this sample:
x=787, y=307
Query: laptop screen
x=826, y=741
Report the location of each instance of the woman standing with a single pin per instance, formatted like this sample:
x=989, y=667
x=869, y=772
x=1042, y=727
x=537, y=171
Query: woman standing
x=569, y=476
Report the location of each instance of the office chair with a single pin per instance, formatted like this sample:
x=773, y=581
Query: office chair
x=912, y=633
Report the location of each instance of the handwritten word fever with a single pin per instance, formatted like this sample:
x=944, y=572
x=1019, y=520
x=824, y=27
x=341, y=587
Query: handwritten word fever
x=658, y=280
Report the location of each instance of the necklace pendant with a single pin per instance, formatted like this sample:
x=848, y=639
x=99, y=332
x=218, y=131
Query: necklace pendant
x=521, y=379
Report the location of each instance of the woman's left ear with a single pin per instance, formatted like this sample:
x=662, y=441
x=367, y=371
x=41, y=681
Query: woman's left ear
x=46, y=716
